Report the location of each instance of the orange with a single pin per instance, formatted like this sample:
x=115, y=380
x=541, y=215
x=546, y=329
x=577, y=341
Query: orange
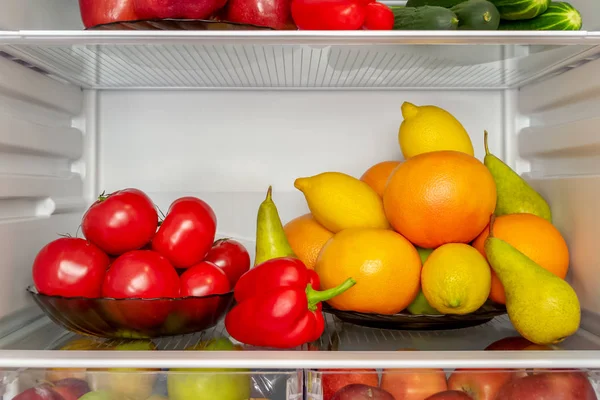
x=385, y=266
x=533, y=236
x=440, y=197
x=306, y=237
x=378, y=175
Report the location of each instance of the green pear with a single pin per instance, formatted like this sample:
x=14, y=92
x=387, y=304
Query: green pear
x=98, y=395
x=514, y=195
x=420, y=305
x=271, y=241
x=130, y=383
x=543, y=308
x=209, y=384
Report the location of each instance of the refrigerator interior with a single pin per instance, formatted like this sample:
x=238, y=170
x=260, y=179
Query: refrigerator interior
x=224, y=115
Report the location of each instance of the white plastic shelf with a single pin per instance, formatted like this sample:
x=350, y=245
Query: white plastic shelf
x=211, y=60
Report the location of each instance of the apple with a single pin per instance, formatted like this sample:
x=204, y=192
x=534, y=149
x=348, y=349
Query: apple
x=94, y=12
x=357, y=391
x=71, y=388
x=449, y=395
x=98, y=395
x=275, y=14
x=218, y=383
x=333, y=380
x=129, y=383
x=187, y=9
x=41, y=392
x=549, y=386
x=510, y=343
x=57, y=374
x=479, y=384
x=413, y=384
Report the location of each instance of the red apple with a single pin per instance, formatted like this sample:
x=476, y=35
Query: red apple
x=187, y=9
x=549, y=386
x=94, y=12
x=71, y=388
x=413, y=384
x=479, y=384
x=357, y=391
x=275, y=14
x=42, y=392
x=333, y=380
x=510, y=343
x=449, y=395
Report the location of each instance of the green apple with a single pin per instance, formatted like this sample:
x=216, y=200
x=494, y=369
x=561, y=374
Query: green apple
x=131, y=383
x=209, y=384
x=98, y=395
x=420, y=305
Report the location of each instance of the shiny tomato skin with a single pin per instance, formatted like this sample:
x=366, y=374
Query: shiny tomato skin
x=336, y=15
x=97, y=12
x=204, y=279
x=231, y=256
x=70, y=267
x=124, y=221
x=141, y=274
x=379, y=17
x=187, y=233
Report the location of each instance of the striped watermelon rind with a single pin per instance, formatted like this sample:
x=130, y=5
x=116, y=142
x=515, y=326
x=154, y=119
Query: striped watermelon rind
x=516, y=10
x=560, y=16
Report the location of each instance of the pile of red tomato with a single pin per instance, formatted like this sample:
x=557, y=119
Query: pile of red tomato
x=128, y=253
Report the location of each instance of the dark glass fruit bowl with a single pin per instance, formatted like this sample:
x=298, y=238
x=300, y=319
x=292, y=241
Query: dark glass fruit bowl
x=174, y=24
x=407, y=321
x=134, y=318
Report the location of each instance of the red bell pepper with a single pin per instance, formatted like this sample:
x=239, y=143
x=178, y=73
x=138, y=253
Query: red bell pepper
x=278, y=305
x=341, y=15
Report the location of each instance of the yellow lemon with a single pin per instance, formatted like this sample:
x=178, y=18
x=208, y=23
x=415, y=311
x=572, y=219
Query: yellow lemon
x=430, y=128
x=338, y=201
x=456, y=279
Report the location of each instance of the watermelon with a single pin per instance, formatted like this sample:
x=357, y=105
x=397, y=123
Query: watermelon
x=516, y=10
x=560, y=16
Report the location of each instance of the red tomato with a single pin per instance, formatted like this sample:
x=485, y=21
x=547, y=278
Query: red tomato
x=70, y=267
x=202, y=279
x=328, y=14
x=231, y=256
x=187, y=233
x=141, y=274
x=379, y=17
x=95, y=12
x=123, y=221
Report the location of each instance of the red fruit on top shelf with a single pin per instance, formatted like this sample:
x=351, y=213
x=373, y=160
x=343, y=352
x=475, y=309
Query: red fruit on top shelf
x=379, y=17
x=70, y=267
x=275, y=14
x=204, y=279
x=120, y=222
x=187, y=9
x=95, y=12
x=141, y=274
x=187, y=233
x=232, y=257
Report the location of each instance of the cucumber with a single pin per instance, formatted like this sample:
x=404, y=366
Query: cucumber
x=438, y=3
x=424, y=18
x=516, y=10
x=560, y=16
x=479, y=15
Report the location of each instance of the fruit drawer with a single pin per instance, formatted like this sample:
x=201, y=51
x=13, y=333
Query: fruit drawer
x=151, y=384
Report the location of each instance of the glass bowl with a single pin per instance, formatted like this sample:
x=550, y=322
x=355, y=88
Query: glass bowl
x=134, y=318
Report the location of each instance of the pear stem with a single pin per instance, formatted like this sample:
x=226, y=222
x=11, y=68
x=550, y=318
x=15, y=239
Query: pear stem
x=269, y=193
x=492, y=221
x=485, y=142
